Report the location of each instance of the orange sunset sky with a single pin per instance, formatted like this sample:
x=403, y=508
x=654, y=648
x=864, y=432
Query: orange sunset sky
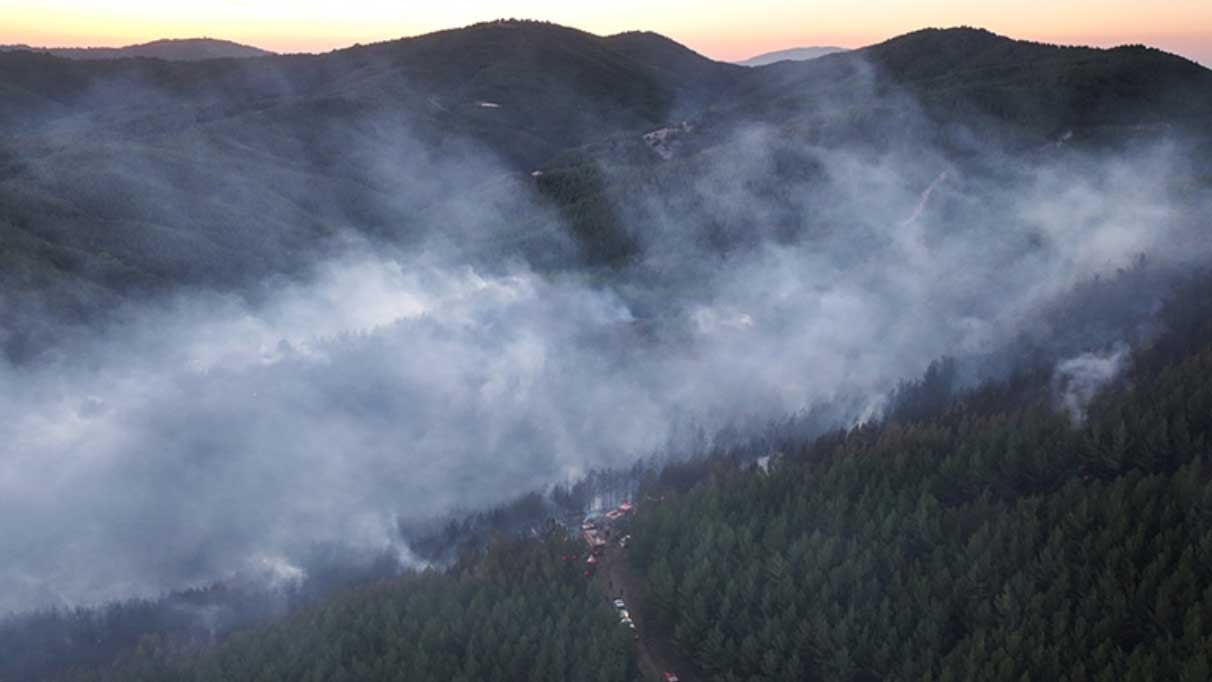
x=723, y=30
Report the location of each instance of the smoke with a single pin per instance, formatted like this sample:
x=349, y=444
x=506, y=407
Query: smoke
x=1078, y=379
x=410, y=373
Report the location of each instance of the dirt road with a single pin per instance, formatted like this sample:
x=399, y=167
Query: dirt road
x=655, y=655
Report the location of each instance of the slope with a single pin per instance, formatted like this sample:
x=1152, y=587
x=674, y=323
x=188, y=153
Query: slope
x=130, y=175
x=985, y=81
x=1000, y=538
x=184, y=49
x=517, y=612
x=994, y=536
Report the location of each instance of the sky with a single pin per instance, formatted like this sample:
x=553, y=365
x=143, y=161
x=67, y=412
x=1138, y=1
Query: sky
x=722, y=30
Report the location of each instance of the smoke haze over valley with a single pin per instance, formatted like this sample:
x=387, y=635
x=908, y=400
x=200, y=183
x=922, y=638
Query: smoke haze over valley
x=255, y=308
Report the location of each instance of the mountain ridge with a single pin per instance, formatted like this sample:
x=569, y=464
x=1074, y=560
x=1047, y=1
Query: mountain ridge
x=974, y=74
x=531, y=95
x=170, y=49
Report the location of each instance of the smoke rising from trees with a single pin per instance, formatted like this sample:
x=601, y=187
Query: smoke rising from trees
x=220, y=432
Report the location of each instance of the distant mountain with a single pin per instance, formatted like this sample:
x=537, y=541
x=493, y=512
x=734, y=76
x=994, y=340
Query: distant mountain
x=795, y=54
x=980, y=79
x=185, y=50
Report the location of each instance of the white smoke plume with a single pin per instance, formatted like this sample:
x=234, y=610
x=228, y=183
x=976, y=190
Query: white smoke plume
x=1080, y=378
x=214, y=433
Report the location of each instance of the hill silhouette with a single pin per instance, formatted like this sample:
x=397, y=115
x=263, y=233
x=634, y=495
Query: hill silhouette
x=182, y=49
x=88, y=217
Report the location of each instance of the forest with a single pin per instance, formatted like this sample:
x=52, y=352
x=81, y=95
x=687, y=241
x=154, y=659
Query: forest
x=988, y=534
x=312, y=367
x=523, y=610
x=995, y=539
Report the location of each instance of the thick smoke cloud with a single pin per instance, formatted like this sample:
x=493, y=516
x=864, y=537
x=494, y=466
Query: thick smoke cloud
x=216, y=433
x=212, y=435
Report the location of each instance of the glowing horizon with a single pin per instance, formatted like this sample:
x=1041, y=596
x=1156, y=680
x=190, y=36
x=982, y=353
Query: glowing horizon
x=727, y=31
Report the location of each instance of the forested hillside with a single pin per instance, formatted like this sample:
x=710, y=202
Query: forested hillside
x=993, y=535
x=521, y=611
x=187, y=50
x=312, y=366
x=128, y=178
x=996, y=540
x=987, y=81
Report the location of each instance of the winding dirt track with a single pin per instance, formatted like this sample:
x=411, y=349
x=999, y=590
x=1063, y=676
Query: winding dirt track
x=654, y=654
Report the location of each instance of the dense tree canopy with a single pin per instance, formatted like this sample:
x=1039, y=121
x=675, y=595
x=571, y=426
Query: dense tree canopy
x=524, y=610
x=961, y=545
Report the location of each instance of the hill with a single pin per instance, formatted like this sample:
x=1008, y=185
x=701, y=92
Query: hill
x=1026, y=89
x=124, y=177
x=184, y=50
x=332, y=133
x=976, y=534
x=987, y=538
x=795, y=54
x=698, y=80
x=279, y=328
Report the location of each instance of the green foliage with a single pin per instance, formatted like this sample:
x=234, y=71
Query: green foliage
x=124, y=177
x=520, y=612
x=985, y=537
x=969, y=545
